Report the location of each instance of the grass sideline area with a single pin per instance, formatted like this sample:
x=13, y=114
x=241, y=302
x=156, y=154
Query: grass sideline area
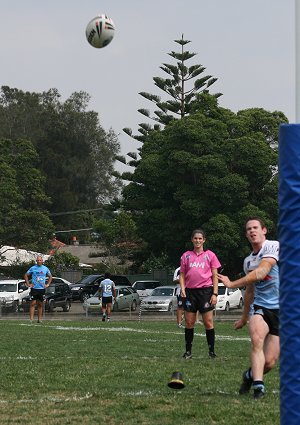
x=117, y=373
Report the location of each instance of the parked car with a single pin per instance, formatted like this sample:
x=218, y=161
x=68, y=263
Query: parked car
x=145, y=287
x=12, y=292
x=229, y=298
x=60, y=280
x=89, y=285
x=126, y=298
x=162, y=298
x=58, y=294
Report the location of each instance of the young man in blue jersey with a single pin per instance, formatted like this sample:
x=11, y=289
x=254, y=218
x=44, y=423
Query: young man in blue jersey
x=107, y=291
x=40, y=279
x=262, y=291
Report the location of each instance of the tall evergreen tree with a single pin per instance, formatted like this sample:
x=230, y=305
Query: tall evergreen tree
x=181, y=87
x=211, y=169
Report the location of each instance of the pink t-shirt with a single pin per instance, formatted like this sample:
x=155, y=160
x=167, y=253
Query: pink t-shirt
x=197, y=268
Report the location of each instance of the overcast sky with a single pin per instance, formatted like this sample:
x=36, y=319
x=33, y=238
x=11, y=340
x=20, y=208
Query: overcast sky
x=247, y=44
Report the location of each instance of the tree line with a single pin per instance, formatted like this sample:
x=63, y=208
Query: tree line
x=198, y=165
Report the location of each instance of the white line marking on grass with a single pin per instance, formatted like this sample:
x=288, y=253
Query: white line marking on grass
x=136, y=393
x=125, y=329
x=53, y=399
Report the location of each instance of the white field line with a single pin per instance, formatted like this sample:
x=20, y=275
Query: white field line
x=125, y=329
x=76, y=398
x=52, y=399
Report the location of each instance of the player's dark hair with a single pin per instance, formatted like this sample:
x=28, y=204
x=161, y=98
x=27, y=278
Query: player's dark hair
x=259, y=219
x=107, y=275
x=198, y=231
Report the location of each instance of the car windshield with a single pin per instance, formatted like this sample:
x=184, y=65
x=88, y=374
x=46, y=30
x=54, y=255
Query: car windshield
x=162, y=292
x=87, y=279
x=8, y=287
x=222, y=290
x=140, y=286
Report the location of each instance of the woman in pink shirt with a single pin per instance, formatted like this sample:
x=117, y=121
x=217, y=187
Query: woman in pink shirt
x=199, y=289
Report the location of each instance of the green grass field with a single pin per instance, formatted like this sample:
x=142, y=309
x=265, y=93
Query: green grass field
x=117, y=373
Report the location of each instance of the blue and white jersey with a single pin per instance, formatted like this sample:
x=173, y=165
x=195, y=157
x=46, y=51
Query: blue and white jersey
x=106, y=288
x=266, y=290
x=38, y=276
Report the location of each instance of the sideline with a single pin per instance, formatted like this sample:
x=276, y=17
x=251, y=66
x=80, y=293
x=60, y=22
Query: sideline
x=126, y=329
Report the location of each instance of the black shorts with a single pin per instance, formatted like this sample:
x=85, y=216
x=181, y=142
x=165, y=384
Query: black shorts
x=271, y=317
x=106, y=300
x=37, y=295
x=179, y=301
x=198, y=299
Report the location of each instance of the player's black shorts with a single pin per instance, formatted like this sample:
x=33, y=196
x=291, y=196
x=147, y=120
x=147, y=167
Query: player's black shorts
x=37, y=294
x=106, y=300
x=198, y=299
x=271, y=317
x=179, y=301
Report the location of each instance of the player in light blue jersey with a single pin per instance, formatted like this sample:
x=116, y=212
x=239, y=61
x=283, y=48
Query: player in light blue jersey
x=41, y=278
x=107, y=291
x=262, y=291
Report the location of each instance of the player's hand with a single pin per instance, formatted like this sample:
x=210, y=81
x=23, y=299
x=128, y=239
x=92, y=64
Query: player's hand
x=213, y=300
x=239, y=324
x=225, y=279
x=182, y=293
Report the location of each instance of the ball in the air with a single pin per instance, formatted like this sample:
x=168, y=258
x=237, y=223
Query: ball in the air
x=100, y=31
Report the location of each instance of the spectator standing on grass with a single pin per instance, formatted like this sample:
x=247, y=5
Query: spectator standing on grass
x=262, y=289
x=41, y=278
x=180, y=310
x=107, y=290
x=199, y=290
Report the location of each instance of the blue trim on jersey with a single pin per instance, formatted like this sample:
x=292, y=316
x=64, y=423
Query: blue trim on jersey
x=267, y=290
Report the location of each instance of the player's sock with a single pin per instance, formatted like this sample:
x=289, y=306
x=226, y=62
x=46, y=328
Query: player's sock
x=259, y=389
x=210, y=338
x=189, y=336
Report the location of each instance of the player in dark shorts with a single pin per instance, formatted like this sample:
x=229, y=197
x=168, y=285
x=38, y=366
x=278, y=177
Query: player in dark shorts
x=41, y=278
x=199, y=290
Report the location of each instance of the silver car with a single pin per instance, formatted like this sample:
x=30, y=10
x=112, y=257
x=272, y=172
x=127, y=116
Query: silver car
x=126, y=299
x=162, y=298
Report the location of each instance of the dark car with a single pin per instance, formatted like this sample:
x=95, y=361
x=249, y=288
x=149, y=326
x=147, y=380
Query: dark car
x=58, y=294
x=89, y=285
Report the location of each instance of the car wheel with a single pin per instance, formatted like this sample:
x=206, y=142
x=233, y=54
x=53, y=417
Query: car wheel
x=67, y=306
x=133, y=305
x=170, y=308
x=15, y=307
x=227, y=307
x=241, y=303
x=84, y=296
x=115, y=307
x=51, y=306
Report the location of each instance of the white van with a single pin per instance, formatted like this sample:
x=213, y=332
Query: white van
x=229, y=298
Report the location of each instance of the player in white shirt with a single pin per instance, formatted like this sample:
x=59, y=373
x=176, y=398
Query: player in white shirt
x=262, y=289
x=180, y=310
x=107, y=291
